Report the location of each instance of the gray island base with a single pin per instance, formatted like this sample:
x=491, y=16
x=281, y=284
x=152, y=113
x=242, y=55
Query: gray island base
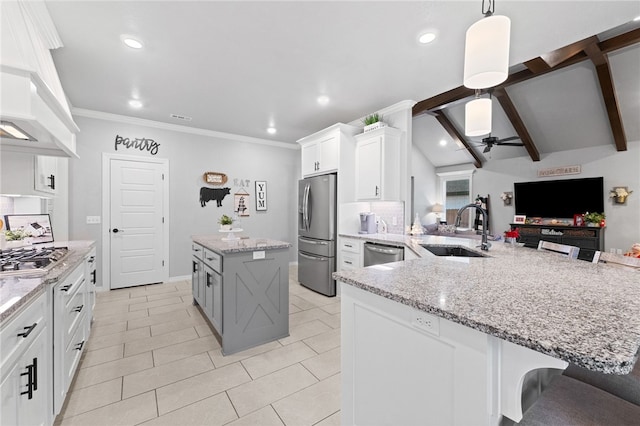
x=242, y=288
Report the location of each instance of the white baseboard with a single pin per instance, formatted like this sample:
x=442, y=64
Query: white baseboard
x=179, y=278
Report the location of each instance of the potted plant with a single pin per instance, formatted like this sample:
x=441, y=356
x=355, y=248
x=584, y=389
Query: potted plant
x=225, y=222
x=594, y=219
x=372, y=122
x=620, y=194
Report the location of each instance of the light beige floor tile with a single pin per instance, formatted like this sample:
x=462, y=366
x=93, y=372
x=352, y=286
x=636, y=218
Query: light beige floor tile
x=301, y=303
x=176, y=325
x=116, y=327
x=324, y=365
x=303, y=331
x=196, y=388
x=220, y=360
x=112, y=295
x=151, y=343
x=143, y=381
x=293, y=309
x=93, y=397
x=263, y=417
x=177, y=293
x=113, y=369
x=306, y=316
x=332, y=420
x=273, y=387
x=204, y=330
x=332, y=321
x=99, y=312
x=118, y=317
x=268, y=362
x=156, y=319
x=325, y=341
x=303, y=408
x=317, y=298
x=184, y=350
x=116, y=304
x=130, y=411
x=332, y=308
x=213, y=411
x=160, y=288
x=99, y=356
x=171, y=308
x=155, y=303
x=117, y=338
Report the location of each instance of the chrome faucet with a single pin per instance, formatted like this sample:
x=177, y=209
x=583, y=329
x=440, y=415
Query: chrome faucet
x=485, y=243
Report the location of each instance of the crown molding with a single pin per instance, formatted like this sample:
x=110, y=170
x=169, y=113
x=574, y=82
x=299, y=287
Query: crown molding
x=178, y=128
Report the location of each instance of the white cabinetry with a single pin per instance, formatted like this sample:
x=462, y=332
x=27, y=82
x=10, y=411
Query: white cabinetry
x=325, y=151
x=378, y=164
x=46, y=173
x=70, y=307
x=25, y=382
x=350, y=253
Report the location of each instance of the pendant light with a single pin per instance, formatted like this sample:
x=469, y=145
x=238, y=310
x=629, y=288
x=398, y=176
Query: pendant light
x=477, y=116
x=486, y=53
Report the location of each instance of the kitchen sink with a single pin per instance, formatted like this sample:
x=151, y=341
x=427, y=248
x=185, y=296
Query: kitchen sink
x=457, y=251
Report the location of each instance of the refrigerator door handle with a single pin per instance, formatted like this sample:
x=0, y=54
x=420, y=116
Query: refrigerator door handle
x=306, y=256
x=318, y=243
x=306, y=222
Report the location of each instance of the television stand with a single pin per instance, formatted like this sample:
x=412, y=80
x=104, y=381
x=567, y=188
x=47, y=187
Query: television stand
x=589, y=239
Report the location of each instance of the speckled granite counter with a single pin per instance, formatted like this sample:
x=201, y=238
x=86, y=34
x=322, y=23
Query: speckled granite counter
x=580, y=312
x=16, y=291
x=215, y=243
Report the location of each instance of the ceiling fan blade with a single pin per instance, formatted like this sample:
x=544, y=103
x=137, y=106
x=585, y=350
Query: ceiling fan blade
x=510, y=143
x=511, y=138
x=487, y=149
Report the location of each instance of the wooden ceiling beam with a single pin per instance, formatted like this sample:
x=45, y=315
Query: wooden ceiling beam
x=517, y=123
x=558, y=56
x=618, y=42
x=442, y=100
x=457, y=137
x=607, y=88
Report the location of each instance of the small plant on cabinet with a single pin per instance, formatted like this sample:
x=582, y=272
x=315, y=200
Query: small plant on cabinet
x=225, y=222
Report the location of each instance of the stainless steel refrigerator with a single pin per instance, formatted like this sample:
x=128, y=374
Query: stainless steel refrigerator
x=317, y=233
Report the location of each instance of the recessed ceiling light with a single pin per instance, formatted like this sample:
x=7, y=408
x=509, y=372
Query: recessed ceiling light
x=132, y=42
x=443, y=142
x=427, y=38
x=637, y=18
x=271, y=130
x=323, y=100
x=134, y=103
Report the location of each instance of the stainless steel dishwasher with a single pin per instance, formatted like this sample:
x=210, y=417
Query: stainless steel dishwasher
x=375, y=254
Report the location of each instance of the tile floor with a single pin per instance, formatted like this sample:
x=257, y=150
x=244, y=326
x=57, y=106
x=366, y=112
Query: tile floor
x=153, y=360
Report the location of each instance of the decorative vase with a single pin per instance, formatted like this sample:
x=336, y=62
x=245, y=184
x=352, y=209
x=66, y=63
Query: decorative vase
x=593, y=225
x=225, y=227
x=374, y=126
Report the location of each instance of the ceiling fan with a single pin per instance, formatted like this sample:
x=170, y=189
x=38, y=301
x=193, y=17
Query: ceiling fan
x=490, y=141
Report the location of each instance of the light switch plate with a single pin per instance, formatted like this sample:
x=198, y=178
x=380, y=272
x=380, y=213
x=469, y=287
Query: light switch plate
x=93, y=219
x=258, y=255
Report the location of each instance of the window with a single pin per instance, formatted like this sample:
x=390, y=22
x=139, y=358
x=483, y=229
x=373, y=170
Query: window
x=456, y=193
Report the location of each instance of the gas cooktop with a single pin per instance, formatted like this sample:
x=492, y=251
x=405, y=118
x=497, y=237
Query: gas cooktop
x=30, y=260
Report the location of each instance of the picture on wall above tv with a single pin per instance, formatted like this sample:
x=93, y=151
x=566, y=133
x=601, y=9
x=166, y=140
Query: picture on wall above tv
x=559, y=198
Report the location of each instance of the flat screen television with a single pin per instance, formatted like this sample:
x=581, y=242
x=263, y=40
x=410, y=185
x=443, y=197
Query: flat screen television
x=559, y=198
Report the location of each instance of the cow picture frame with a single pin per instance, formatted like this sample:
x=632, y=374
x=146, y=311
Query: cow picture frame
x=261, y=195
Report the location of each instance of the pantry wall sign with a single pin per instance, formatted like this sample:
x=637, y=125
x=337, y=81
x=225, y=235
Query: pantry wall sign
x=142, y=144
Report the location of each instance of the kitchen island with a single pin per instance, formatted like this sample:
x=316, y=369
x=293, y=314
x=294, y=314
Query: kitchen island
x=449, y=340
x=242, y=287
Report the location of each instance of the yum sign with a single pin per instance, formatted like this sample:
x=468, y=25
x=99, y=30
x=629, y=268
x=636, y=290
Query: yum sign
x=261, y=195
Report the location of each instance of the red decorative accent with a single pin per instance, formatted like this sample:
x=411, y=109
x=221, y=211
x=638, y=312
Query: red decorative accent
x=578, y=220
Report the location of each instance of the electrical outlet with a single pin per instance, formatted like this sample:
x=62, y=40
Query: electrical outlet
x=93, y=220
x=618, y=251
x=426, y=322
x=394, y=221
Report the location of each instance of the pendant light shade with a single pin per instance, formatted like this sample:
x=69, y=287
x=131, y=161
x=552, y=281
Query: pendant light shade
x=477, y=117
x=486, y=53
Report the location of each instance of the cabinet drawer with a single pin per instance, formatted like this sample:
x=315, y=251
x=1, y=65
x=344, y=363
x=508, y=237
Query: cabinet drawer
x=72, y=354
x=74, y=311
x=197, y=250
x=351, y=246
x=22, y=330
x=350, y=261
x=213, y=260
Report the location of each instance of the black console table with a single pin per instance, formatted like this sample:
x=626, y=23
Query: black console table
x=589, y=239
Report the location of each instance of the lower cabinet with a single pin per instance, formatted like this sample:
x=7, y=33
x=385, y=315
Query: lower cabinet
x=588, y=239
x=245, y=296
x=350, y=253
x=25, y=378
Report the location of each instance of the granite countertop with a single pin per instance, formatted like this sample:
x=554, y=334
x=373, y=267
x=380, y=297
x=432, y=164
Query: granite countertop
x=577, y=311
x=17, y=291
x=215, y=243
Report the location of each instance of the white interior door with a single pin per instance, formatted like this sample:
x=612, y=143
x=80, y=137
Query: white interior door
x=136, y=231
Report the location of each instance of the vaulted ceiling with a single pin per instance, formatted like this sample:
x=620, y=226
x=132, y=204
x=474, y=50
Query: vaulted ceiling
x=586, y=93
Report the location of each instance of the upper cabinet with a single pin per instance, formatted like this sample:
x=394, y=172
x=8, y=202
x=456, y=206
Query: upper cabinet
x=378, y=164
x=325, y=151
x=46, y=172
x=32, y=97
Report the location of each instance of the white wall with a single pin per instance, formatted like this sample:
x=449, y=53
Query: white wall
x=425, y=184
x=190, y=155
x=617, y=168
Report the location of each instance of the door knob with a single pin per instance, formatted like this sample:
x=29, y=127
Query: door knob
x=116, y=230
